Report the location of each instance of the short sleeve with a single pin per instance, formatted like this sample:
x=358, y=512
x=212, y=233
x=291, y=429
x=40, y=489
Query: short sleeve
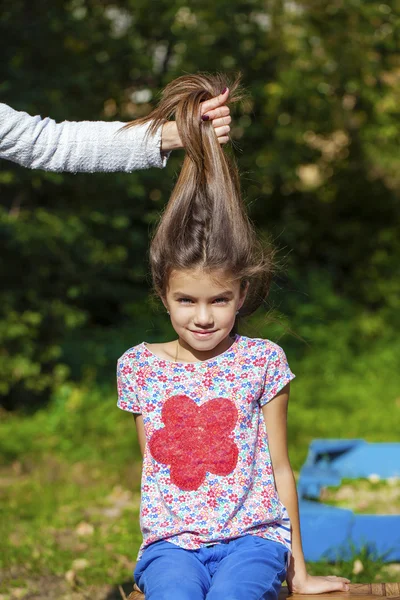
x=277, y=375
x=127, y=396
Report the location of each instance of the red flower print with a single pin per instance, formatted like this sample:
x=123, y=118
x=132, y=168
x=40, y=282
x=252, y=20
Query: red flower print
x=195, y=440
x=189, y=368
x=247, y=520
x=197, y=540
x=260, y=362
x=266, y=500
x=230, y=377
x=164, y=524
x=189, y=520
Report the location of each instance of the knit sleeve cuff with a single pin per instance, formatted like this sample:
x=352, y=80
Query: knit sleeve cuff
x=157, y=158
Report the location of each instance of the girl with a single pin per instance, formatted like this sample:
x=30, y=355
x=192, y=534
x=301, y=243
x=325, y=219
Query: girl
x=219, y=509
x=93, y=146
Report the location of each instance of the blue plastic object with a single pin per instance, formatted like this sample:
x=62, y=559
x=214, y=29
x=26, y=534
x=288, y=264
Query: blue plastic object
x=330, y=532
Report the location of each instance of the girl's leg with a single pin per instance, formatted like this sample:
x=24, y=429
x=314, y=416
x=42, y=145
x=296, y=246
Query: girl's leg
x=166, y=571
x=253, y=569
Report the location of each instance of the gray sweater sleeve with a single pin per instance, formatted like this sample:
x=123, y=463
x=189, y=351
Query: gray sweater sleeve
x=85, y=146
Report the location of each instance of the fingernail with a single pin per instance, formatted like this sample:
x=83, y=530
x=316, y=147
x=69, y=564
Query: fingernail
x=205, y=117
x=224, y=90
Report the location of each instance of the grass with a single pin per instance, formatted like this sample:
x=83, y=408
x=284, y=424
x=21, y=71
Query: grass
x=70, y=474
x=55, y=513
x=81, y=520
x=365, y=496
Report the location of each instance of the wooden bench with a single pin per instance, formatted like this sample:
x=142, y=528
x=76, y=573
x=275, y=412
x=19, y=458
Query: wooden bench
x=363, y=591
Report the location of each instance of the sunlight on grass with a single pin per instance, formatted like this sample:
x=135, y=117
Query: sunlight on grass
x=55, y=514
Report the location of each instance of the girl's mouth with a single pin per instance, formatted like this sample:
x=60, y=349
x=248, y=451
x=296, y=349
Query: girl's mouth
x=202, y=334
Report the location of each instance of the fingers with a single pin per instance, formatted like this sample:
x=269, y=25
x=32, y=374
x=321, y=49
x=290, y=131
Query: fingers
x=339, y=583
x=214, y=102
x=222, y=131
x=221, y=111
x=211, y=110
x=224, y=139
x=221, y=122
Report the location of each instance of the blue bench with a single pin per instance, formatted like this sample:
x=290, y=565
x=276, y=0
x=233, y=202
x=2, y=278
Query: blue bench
x=328, y=531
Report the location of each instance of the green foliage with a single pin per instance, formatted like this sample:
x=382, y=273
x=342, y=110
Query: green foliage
x=68, y=512
x=319, y=149
x=75, y=461
x=372, y=565
x=81, y=423
x=336, y=394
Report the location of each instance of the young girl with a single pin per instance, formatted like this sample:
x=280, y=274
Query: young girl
x=219, y=509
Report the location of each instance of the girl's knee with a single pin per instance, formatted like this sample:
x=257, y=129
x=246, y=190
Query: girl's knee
x=174, y=584
x=242, y=592
x=175, y=592
x=227, y=592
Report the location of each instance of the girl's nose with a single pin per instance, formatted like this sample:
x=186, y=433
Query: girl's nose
x=203, y=316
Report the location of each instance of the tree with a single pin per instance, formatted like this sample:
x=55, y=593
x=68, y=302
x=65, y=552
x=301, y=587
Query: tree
x=318, y=150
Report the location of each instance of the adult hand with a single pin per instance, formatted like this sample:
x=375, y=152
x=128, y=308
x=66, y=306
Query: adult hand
x=214, y=110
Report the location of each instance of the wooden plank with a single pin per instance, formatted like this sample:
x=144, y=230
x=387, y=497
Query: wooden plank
x=392, y=590
x=362, y=591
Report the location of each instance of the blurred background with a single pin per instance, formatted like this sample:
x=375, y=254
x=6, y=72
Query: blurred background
x=318, y=146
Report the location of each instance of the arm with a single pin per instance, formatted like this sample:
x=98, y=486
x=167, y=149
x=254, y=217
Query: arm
x=275, y=416
x=140, y=432
x=94, y=146
x=87, y=146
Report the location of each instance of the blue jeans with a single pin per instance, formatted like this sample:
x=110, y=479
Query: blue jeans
x=248, y=567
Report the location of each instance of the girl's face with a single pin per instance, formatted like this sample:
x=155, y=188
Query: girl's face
x=203, y=308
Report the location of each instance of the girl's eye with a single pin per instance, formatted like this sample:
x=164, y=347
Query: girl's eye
x=184, y=300
x=221, y=300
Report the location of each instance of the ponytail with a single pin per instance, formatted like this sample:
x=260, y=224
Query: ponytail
x=205, y=224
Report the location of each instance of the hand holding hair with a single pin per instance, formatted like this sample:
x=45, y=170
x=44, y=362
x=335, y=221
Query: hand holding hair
x=214, y=110
x=90, y=146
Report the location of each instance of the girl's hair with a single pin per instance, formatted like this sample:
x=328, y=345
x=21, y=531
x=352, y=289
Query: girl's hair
x=205, y=224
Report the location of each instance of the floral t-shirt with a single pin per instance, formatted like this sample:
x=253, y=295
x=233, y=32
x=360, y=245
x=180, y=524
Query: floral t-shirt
x=207, y=474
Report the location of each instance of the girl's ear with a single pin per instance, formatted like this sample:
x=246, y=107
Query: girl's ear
x=244, y=288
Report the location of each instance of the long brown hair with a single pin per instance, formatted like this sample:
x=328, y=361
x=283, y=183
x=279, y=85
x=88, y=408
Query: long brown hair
x=205, y=224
